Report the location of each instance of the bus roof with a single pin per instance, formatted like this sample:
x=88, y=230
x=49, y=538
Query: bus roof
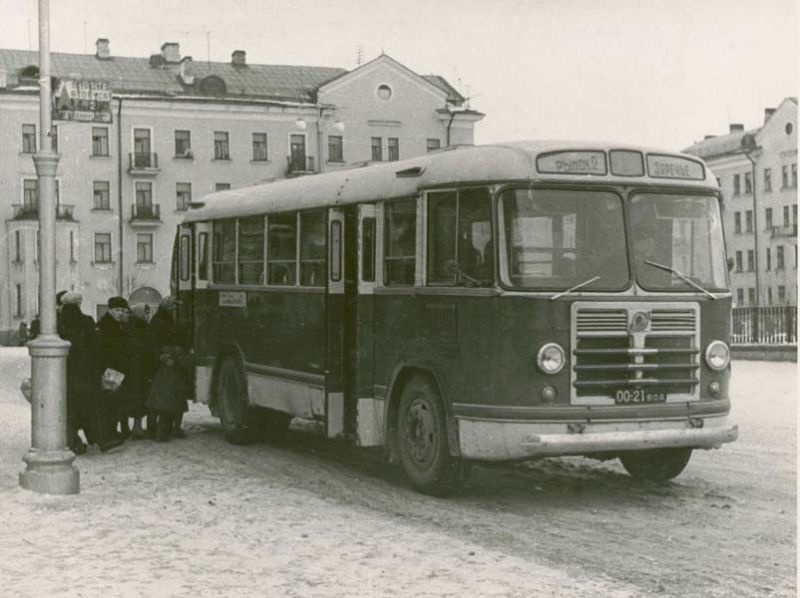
x=577, y=161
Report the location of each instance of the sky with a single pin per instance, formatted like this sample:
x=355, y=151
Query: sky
x=657, y=72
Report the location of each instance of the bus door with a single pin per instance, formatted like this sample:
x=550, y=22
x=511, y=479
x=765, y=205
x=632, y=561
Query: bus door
x=334, y=307
x=184, y=272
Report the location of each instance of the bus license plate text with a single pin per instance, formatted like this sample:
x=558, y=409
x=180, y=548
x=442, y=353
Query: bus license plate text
x=637, y=395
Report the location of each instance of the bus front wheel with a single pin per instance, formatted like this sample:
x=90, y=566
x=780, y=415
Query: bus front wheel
x=657, y=465
x=235, y=414
x=422, y=440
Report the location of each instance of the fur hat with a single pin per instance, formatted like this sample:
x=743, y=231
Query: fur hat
x=59, y=297
x=71, y=298
x=115, y=302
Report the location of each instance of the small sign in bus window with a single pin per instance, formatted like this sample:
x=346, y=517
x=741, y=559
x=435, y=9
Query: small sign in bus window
x=576, y=162
x=674, y=167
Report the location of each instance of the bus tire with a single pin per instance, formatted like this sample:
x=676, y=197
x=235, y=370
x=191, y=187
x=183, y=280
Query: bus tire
x=422, y=440
x=236, y=416
x=656, y=465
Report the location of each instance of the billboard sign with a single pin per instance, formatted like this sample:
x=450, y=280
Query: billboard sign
x=82, y=100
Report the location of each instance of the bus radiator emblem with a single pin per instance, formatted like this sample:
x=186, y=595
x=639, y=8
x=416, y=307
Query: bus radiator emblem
x=640, y=321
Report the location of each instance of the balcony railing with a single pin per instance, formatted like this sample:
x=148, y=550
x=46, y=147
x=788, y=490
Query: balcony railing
x=788, y=230
x=142, y=163
x=146, y=214
x=300, y=165
x=31, y=211
x=764, y=325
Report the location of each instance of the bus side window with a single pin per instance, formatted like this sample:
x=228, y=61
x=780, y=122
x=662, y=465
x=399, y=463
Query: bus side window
x=251, y=250
x=202, y=273
x=224, y=262
x=368, y=246
x=400, y=238
x=185, y=257
x=312, y=248
x=282, y=249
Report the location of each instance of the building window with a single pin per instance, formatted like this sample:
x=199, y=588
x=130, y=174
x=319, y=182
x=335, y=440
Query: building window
x=183, y=196
x=37, y=248
x=432, y=144
x=335, y=148
x=102, y=195
x=751, y=296
x=794, y=213
x=768, y=218
x=260, y=147
x=28, y=139
x=394, y=149
x=751, y=260
x=72, y=246
x=737, y=222
x=377, y=152
x=736, y=187
x=30, y=195
x=222, y=186
x=769, y=258
x=400, y=243
x=54, y=138
x=784, y=176
x=749, y=221
x=739, y=297
x=144, y=248
x=144, y=194
x=794, y=176
x=18, y=311
x=786, y=221
x=17, y=246
x=767, y=179
x=102, y=248
x=779, y=258
x=384, y=92
x=221, y=146
x=100, y=141
x=739, y=261
x=748, y=183
x=183, y=144
x=769, y=296
x=781, y=294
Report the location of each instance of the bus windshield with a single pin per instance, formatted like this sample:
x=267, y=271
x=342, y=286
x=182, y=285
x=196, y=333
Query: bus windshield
x=681, y=233
x=557, y=239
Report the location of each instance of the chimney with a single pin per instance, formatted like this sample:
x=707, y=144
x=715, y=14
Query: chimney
x=737, y=128
x=707, y=137
x=171, y=52
x=768, y=112
x=187, y=71
x=238, y=58
x=103, y=52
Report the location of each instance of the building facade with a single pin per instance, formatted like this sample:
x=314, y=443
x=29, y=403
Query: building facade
x=180, y=130
x=757, y=172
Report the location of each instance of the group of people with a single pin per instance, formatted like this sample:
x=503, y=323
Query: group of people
x=127, y=376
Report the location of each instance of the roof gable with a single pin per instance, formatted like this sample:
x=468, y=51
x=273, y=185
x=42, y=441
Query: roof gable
x=787, y=110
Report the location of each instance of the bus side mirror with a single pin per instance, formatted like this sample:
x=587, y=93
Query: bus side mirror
x=731, y=264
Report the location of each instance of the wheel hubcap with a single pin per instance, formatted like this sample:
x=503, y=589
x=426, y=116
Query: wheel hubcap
x=420, y=432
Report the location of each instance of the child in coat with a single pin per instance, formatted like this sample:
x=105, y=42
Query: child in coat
x=167, y=398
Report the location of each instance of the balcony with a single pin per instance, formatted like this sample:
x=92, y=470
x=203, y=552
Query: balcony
x=299, y=165
x=31, y=211
x=140, y=163
x=788, y=230
x=147, y=215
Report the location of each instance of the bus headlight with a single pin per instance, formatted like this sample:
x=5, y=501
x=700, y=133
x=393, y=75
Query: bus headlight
x=718, y=355
x=551, y=358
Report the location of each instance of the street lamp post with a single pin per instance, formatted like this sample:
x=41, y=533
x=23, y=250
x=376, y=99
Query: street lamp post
x=49, y=467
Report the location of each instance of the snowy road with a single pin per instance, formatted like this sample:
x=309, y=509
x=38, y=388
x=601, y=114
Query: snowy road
x=302, y=516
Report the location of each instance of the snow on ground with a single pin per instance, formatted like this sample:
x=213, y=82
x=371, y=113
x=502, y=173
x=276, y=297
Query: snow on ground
x=173, y=520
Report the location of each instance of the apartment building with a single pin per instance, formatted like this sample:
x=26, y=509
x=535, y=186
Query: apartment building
x=757, y=172
x=180, y=129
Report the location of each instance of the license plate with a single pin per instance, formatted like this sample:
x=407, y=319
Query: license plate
x=632, y=396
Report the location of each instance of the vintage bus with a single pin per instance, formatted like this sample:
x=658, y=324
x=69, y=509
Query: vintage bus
x=485, y=303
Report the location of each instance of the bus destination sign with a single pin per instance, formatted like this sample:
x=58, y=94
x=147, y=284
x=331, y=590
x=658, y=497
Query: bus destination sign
x=674, y=167
x=575, y=162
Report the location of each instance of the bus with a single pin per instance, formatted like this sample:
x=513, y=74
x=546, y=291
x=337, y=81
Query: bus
x=477, y=304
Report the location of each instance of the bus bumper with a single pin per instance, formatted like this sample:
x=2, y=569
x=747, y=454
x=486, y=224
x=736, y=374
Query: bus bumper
x=487, y=440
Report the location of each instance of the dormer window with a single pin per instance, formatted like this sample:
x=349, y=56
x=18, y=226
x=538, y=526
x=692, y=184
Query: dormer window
x=29, y=77
x=213, y=85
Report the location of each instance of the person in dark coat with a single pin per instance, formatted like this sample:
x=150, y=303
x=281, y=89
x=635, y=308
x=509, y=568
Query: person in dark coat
x=167, y=399
x=23, y=333
x=114, y=353
x=36, y=324
x=144, y=364
x=164, y=333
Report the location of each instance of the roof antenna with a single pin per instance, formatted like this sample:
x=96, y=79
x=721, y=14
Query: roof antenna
x=85, y=49
x=30, y=43
x=359, y=53
x=208, y=47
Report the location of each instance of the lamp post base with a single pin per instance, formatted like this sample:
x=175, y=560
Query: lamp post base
x=50, y=472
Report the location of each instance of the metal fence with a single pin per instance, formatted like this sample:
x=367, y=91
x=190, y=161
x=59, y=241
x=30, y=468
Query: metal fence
x=768, y=325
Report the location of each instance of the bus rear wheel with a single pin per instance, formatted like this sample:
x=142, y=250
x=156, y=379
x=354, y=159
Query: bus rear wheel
x=656, y=465
x=422, y=440
x=237, y=417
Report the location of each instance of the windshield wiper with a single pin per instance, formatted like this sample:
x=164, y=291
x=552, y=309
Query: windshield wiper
x=580, y=285
x=680, y=275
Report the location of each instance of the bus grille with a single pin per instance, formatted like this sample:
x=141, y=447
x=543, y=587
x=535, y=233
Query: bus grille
x=652, y=347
